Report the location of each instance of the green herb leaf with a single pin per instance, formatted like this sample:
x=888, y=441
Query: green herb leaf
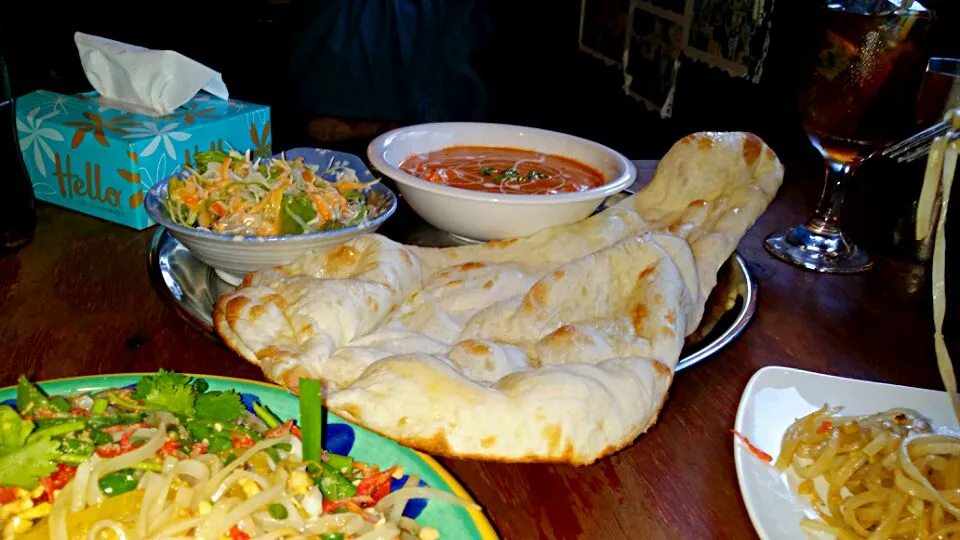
x=14, y=430
x=167, y=391
x=297, y=212
x=487, y=171
x=30, y=398
x=203, y=159
x=27, y=465
x=223, y=406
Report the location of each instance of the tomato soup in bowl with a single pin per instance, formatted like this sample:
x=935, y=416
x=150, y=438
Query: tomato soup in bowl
x=496, y=169
x=497, y=181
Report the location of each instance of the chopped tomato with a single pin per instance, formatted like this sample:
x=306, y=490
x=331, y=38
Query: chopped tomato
x=382, y=491
x=77, y=411
x=44, y=413
x=763, y=456
x=7, y=494
x=282, y=430
x=824, y=427
x=170, y=448
x=198, y=448
x=374, y=485
x=237, y=534
x=109, y=450
x=296, y=432
x=242, y=441
x=57, y=480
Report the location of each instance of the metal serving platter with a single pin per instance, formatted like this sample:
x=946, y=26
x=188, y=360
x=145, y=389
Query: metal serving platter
x=192, y=287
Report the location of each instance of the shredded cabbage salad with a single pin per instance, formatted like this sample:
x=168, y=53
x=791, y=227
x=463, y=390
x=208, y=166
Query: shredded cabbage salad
x=228, y=193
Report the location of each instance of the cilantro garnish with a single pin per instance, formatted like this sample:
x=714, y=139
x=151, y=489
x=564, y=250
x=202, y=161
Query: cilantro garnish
x=222, y=406
x=168, y=391
x=14, y=430
x=512, y=174
x=28, y=464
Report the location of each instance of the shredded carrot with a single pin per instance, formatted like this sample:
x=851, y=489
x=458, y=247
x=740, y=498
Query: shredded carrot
x=763, y=456
x=322, y=207
x=225, y=168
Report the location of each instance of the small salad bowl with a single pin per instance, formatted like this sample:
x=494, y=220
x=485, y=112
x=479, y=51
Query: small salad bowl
x=234, y=256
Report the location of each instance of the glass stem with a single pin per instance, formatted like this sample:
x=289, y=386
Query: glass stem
x=826, y=219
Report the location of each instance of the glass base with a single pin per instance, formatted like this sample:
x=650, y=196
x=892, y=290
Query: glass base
x=820, y=252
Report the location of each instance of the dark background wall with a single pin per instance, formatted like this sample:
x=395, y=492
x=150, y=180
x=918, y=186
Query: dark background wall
x=528, y=66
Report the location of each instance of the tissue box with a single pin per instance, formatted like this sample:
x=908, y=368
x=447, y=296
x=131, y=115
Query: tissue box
x=100, y=160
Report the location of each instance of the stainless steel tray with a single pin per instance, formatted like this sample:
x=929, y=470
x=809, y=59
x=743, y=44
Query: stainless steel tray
x=191, y=287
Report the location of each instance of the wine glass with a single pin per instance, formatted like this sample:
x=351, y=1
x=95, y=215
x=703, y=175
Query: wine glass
x=858, y=99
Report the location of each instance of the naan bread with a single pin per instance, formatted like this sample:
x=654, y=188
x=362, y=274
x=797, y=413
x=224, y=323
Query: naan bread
x=555, y=347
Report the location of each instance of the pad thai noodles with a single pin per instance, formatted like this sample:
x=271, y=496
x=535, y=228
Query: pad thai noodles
x=169, y=458
x=230, y=194
x=885, y=475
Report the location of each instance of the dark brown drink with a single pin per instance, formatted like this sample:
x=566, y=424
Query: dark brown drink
x=859, y=98
x=865, y=80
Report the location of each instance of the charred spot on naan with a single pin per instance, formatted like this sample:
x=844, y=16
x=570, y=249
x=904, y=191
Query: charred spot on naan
x=272, y=352
x=233, y=309
x=667, y=331
x=500, y=243
x=453, y=283
x=705, y=143
x=475, y=347
x=638, y=314
x=568, y=335
x=646, y=272
x=405, y=257
x=276, y=300
x=752, y=145
x=487, y=442
x=342, y=258
x=488, y=284
x=671, y=316
x=473, y=265
x=535, y=297
x=552, y=434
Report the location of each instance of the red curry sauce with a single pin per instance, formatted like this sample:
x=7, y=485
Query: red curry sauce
x=503, y=170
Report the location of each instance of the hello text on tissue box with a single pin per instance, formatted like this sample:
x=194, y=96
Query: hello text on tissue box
x=100, y=160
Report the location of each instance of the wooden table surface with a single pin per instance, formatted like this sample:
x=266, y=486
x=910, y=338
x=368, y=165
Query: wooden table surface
x=78, y=301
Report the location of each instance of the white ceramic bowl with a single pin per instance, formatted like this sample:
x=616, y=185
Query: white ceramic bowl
x=495, y=216
x=234, y=256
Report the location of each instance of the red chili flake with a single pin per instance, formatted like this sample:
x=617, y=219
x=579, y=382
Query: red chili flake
x=237, y=534
x=8, y=494
x=198, y=448
x=57, y=481
x=824, y=427
x=282, y=430
x=763, y=456
x=170, y=448
x=242, y=441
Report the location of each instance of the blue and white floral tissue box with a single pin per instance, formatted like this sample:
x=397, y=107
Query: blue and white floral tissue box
x=99, y=160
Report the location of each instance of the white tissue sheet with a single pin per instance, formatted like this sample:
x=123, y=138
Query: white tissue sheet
x=144, y=80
